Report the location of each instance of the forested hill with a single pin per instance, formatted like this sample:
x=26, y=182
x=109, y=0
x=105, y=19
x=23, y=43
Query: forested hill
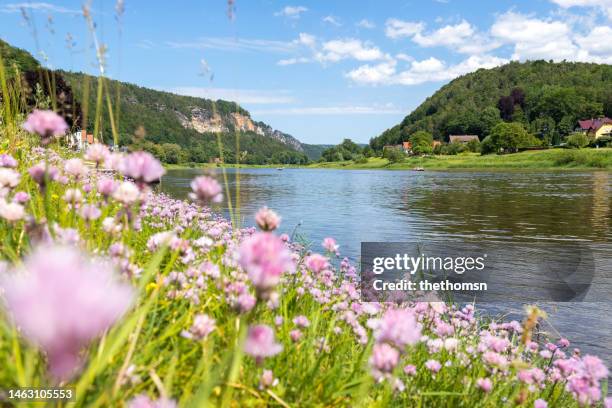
x=548, y=98
x=175, y=128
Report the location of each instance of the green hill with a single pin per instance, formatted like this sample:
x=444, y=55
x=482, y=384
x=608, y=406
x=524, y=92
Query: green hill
x=175, y=128
x=548, y=98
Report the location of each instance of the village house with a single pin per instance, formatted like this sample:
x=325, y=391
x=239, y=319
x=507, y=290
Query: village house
x=464, y=139
x=407, y=147
x=80, y=140
x=596, y=128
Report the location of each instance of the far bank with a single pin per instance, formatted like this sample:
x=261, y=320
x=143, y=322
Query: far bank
x=570, y=159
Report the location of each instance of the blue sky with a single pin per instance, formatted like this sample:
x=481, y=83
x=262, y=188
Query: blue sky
x=319, y=70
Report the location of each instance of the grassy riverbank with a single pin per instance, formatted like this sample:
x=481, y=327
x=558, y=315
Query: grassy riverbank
x=538, y=160
x=583, y=159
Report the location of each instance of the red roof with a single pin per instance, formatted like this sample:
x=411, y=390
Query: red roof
x=593, y=124
x=407, y=145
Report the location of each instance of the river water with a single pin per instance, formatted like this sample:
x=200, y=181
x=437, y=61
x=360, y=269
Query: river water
x=495, y=207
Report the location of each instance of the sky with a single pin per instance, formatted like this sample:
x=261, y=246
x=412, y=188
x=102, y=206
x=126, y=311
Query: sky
x=319, y=70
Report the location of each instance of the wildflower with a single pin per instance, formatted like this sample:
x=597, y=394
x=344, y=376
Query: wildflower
x=265, y=258
x=484, y=384
x=21, y=197
x=295, y=335
x=206, y=189
x=267, y=380
x=330, y=245
x=73, y=196
x=106, y=186
x=9, y=179
x=260, y=342
x=433, y=365
x=563, y=343
x=97, y=153
x=267, y=219
x=608, y=402
x=61, y=300
x=90, y=212
x=11, y=211
x=540, y=403
x=126, y=193
x=47, y=124
x=6, y=160
x=41, y=173
x=110, y=226
x=316, y=262
x=384, y=358
x=113, y=161
x=301, y=321
x=451, y=344
x=410, y=369
x=143, y=401
x=202, y=326
x=76, y=168
x=141, y=167
x=246, y=302
x=398, y=326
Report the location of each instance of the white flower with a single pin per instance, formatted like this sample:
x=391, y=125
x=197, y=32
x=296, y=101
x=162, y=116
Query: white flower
x=76, y=168
x=127, y=193
x=11, y=211
x=9, y=178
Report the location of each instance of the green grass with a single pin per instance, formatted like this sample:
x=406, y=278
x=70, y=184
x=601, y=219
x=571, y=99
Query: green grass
x=538, y=160
x=553, y=159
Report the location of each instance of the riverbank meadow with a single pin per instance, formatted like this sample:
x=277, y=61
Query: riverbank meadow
x=133, y=298
x=551, y=159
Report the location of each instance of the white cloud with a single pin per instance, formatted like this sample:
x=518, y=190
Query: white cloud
x=404, y=57
x=604, y=5
x=337, y=50
x=36, y=6
x=235, y=44
x=597, y=42
x=534, y=38
x=241, y=96
x=291, y=11
x=332, y=20
x=447, y=36
x=366, y=24
x=293, y=61
x=306, y=39
x=388, y=109
x=428, y=70
x=379, y=74
x=461, y=37
x=395, y=28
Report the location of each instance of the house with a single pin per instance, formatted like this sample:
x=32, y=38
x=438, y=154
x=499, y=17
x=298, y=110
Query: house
x=462, y=138
x=407, y=147
x=596, y=128
x=80, y=140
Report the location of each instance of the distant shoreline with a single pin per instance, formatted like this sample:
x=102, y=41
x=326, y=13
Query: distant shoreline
x=553, y=159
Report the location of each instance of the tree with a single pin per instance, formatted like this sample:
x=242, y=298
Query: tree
x=393, y=154
x=421, y=142
x=507, y=138
x=172, y=153
x=473, y=146
x=578, y=140
x=489, y=118
x=505, y=104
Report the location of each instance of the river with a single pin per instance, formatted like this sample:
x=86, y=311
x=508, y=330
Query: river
x=476, y=206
